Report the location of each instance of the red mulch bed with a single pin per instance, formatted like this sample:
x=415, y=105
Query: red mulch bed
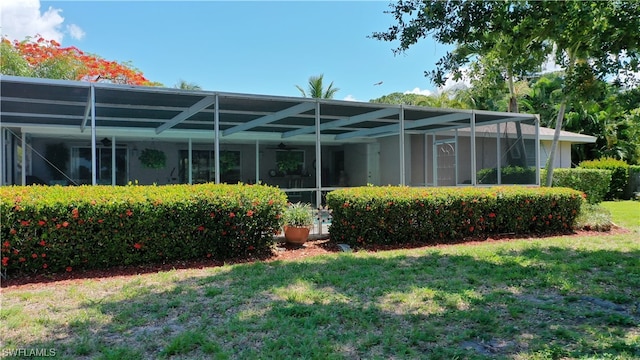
x=283, y=252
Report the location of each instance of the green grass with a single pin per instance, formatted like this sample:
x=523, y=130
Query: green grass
x=625, y=213
x=548, y=298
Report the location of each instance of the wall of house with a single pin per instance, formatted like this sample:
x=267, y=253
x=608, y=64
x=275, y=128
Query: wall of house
x=390, y=160
x=563, y=154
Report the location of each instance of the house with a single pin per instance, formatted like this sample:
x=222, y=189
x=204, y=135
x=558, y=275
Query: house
x=71, y=132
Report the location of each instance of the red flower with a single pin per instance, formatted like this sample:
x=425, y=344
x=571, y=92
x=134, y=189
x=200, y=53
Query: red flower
x=16, y=251
x=212, y=214
x=44, y=266
x=6, y=244
x=492, y=215
x=43, y=255
x=42, y=243
x=65, y=224
x=471, y=228
x=271, y=202
x=42, y=223
x=24, y=222
x=250, y=213
x=550, y=216
x=69, y=269
x=200, y=228
x=100, y=221
x=129, y=212
x=35, y=256
x=137, y=246
x=74, y=213
x=232, y=215
x=5, y=261
x=22, y=259
x=12, y=231
x=250, y=248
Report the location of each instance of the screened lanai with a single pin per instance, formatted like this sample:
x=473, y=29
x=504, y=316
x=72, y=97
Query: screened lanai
x=75, y=133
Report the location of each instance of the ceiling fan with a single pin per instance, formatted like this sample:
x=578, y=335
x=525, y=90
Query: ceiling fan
x=282, y=146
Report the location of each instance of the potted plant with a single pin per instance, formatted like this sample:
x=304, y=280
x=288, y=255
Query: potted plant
x=298, y=220
x=152, y=158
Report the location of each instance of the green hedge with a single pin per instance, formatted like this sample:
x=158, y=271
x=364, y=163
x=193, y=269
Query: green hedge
x=53, y=229
x=619, y=175
x=396, y=215
x=509, y=175
x=593, y=182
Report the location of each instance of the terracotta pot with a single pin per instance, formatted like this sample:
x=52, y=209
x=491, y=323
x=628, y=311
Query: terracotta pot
x=296, y=235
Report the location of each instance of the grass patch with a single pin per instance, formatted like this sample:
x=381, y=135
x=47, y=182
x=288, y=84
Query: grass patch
x=625, y=213
x=559, y=297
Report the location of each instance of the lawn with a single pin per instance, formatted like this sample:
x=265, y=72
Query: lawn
x=546, y=298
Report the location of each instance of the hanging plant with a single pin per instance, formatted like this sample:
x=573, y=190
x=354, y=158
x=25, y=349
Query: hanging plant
x=152, y=158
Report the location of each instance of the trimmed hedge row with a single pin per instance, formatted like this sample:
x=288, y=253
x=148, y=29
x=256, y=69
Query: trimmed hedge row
x=53, y=229
x=593, y=182
x=508, y=175
x=396, y=215
x=619, y=175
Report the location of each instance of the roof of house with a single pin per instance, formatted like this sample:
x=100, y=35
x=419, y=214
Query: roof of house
x=65, y=108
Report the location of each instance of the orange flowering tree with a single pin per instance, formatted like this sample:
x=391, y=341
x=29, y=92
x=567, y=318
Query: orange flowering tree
x=48, y=59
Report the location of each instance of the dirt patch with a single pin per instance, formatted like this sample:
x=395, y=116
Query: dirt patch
x=281, y=252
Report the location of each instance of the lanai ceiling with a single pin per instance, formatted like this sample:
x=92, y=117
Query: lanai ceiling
x=44, y=107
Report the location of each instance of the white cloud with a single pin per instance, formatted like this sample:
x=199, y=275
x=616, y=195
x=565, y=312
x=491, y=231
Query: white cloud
x=419, y=92
x=75, y=31
x=350, y=98
x=22, y=18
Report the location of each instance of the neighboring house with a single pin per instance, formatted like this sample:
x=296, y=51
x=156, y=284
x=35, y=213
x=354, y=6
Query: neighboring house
x=69, y=132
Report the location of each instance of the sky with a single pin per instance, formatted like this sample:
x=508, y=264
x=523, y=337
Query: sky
x=263, y=47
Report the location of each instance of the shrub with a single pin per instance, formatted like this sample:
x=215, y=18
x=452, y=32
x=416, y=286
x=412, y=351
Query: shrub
x=593, y=182
x=619, y=175
x=509, y=175
x=396, y=215
x=50, y=229
x=594, y=217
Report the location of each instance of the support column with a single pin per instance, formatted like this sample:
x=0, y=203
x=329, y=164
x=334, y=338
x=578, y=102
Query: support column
x=216, y=126
x=93, y=136
x=456, y=157
x=474, y=180
x=318, y=163
x=24, y=159
x=402, y=165
x=190, y=160
x=538, y=164
x=498, y=155
x=113, y=161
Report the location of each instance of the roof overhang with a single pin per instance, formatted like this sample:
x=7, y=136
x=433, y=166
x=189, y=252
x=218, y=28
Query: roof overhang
x=61, y=107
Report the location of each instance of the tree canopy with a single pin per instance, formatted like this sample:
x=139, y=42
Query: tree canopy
x=315, y=88
x=503, y=43
x=48, y=59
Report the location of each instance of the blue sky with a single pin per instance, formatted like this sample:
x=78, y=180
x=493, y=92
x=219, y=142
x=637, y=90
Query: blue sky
x=247, y=47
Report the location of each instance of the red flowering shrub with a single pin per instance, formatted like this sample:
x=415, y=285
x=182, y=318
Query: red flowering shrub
x=63, y=228
x=396, y=215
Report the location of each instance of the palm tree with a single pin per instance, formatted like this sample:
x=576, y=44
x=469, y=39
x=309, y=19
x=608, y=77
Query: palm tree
x=316, y=89
x=185, y=85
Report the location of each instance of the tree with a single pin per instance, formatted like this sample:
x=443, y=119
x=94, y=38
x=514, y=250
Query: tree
x=48, y=59
x=185, y=85
x=507, y=40
x=444, y=99
x=316, y=88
